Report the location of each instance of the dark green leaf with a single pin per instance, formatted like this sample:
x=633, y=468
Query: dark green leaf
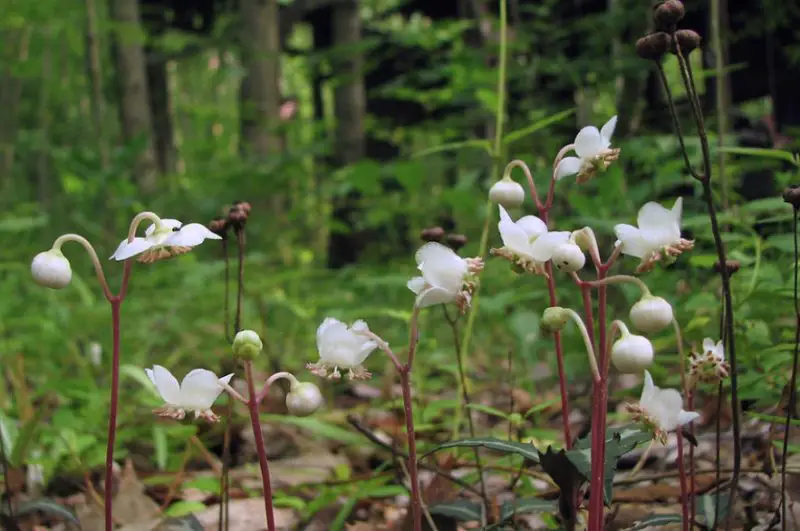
x=455, y=146
x=492, y=443
x=25, y=436
x=49, y=507
x=188, y=522
x=513, y=136
x=712, y=513
x=461, y=510
x=657, y=520
x=526, y=506
x=568, y=478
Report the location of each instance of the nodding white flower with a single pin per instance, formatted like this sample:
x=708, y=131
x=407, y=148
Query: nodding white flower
x=661, y=409
x=657, y=237
x=341, y=347
x=95, y=352
x=568, y=257
x=709, y=365
x=507, y=192
x=51, y=269
x=631, y=354
x=197, y=392
x=651, y=314
x=527, y=242
x=163, y=240
x=303, y=399
x=594, y=152
x=446, y=277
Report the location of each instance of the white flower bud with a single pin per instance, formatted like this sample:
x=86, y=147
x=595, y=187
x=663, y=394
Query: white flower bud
x=247, y=345
x=632, y=354
x=51, y=269
x=651, y=314
x=507, y=193
x=568, y=257
x=303, y=399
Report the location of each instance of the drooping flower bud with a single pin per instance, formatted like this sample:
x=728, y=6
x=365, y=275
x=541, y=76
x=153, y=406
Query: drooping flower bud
x=507, y=192
x=631, y=354
x=554, y=319
x=303, y=399
x=568, y=257
x=247, y=345
x=51, y=269
x=651, y=314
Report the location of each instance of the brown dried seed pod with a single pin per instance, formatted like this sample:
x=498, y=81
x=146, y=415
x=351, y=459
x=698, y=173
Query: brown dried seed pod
x=668, y=14
x=653, y=46
x=432, y=234
x=688, y=40
x=731, y=265
x=792, y=195
x=456, y=241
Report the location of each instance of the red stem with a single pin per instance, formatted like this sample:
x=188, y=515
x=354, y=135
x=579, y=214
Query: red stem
x=684, y=494
x=116, y=303
x=416, y=497
x=596, y=501
x=112, y=414
x=562, y=381
x=692, y=487
x=252, y=405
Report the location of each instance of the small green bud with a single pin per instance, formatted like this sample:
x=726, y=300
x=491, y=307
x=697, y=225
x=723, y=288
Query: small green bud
x=554, y=319
x=247, y=345
x=515, y=419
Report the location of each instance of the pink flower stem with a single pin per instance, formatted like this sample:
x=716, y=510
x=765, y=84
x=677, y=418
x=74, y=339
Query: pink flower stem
x=252, y=405
x=692, y=487
x=408, y=413
x=684, y=494
x=116, y=304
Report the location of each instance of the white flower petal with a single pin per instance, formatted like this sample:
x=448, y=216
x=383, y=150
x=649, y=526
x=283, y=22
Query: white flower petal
x=149, y=373
x=708, y=345
x=435, y=295
x=607, y=130
x=685, y=417
x=568, y=166
x=543, y=247
x=226, y=379
x=127, y=250
x=441, y=266
x=191, y=235
x=653, y=216
x=648, y=389
x=165, y=223
x=514, y=237
x=167, y=385
x=199, y=389
x=633, y=244
x=532, y=225
x=589, y=143
x=416, y=284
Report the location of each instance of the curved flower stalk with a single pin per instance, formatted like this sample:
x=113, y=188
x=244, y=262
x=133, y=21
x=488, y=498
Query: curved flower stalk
x=661, y=410
x=527, y=242
x=52, y=269
x=343, y=347
x=657, y=237
x=197, y=392
x=163, y=239
x=594, y=151
x=446, y=277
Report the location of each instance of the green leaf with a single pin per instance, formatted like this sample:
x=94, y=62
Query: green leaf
x=47, y=506
x=708, y=506
x=525, y=450
x=778, y=154
x=182, y=508
x=161, y=446
x=513, y=136
x=526, y=506
x=656, y=520
x=461, y=510
x=455, y=146
x=489, y=410
x=19, y=453
x=318, y=427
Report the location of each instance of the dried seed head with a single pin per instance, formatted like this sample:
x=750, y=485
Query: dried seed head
x=456, y=241
x=219, y=226
x=792, y=195
x=668, y=14
x=432, y=234
x=237, y=216
x=731, y=265
x=653, y=46
x=242, y=205
x=688, y=40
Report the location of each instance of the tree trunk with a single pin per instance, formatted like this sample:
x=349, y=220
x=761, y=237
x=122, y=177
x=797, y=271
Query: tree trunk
x=15, y=48
x=163, y=137
x=94, y=71
x=260, y=94
x=132, y=83
x=350, y=99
